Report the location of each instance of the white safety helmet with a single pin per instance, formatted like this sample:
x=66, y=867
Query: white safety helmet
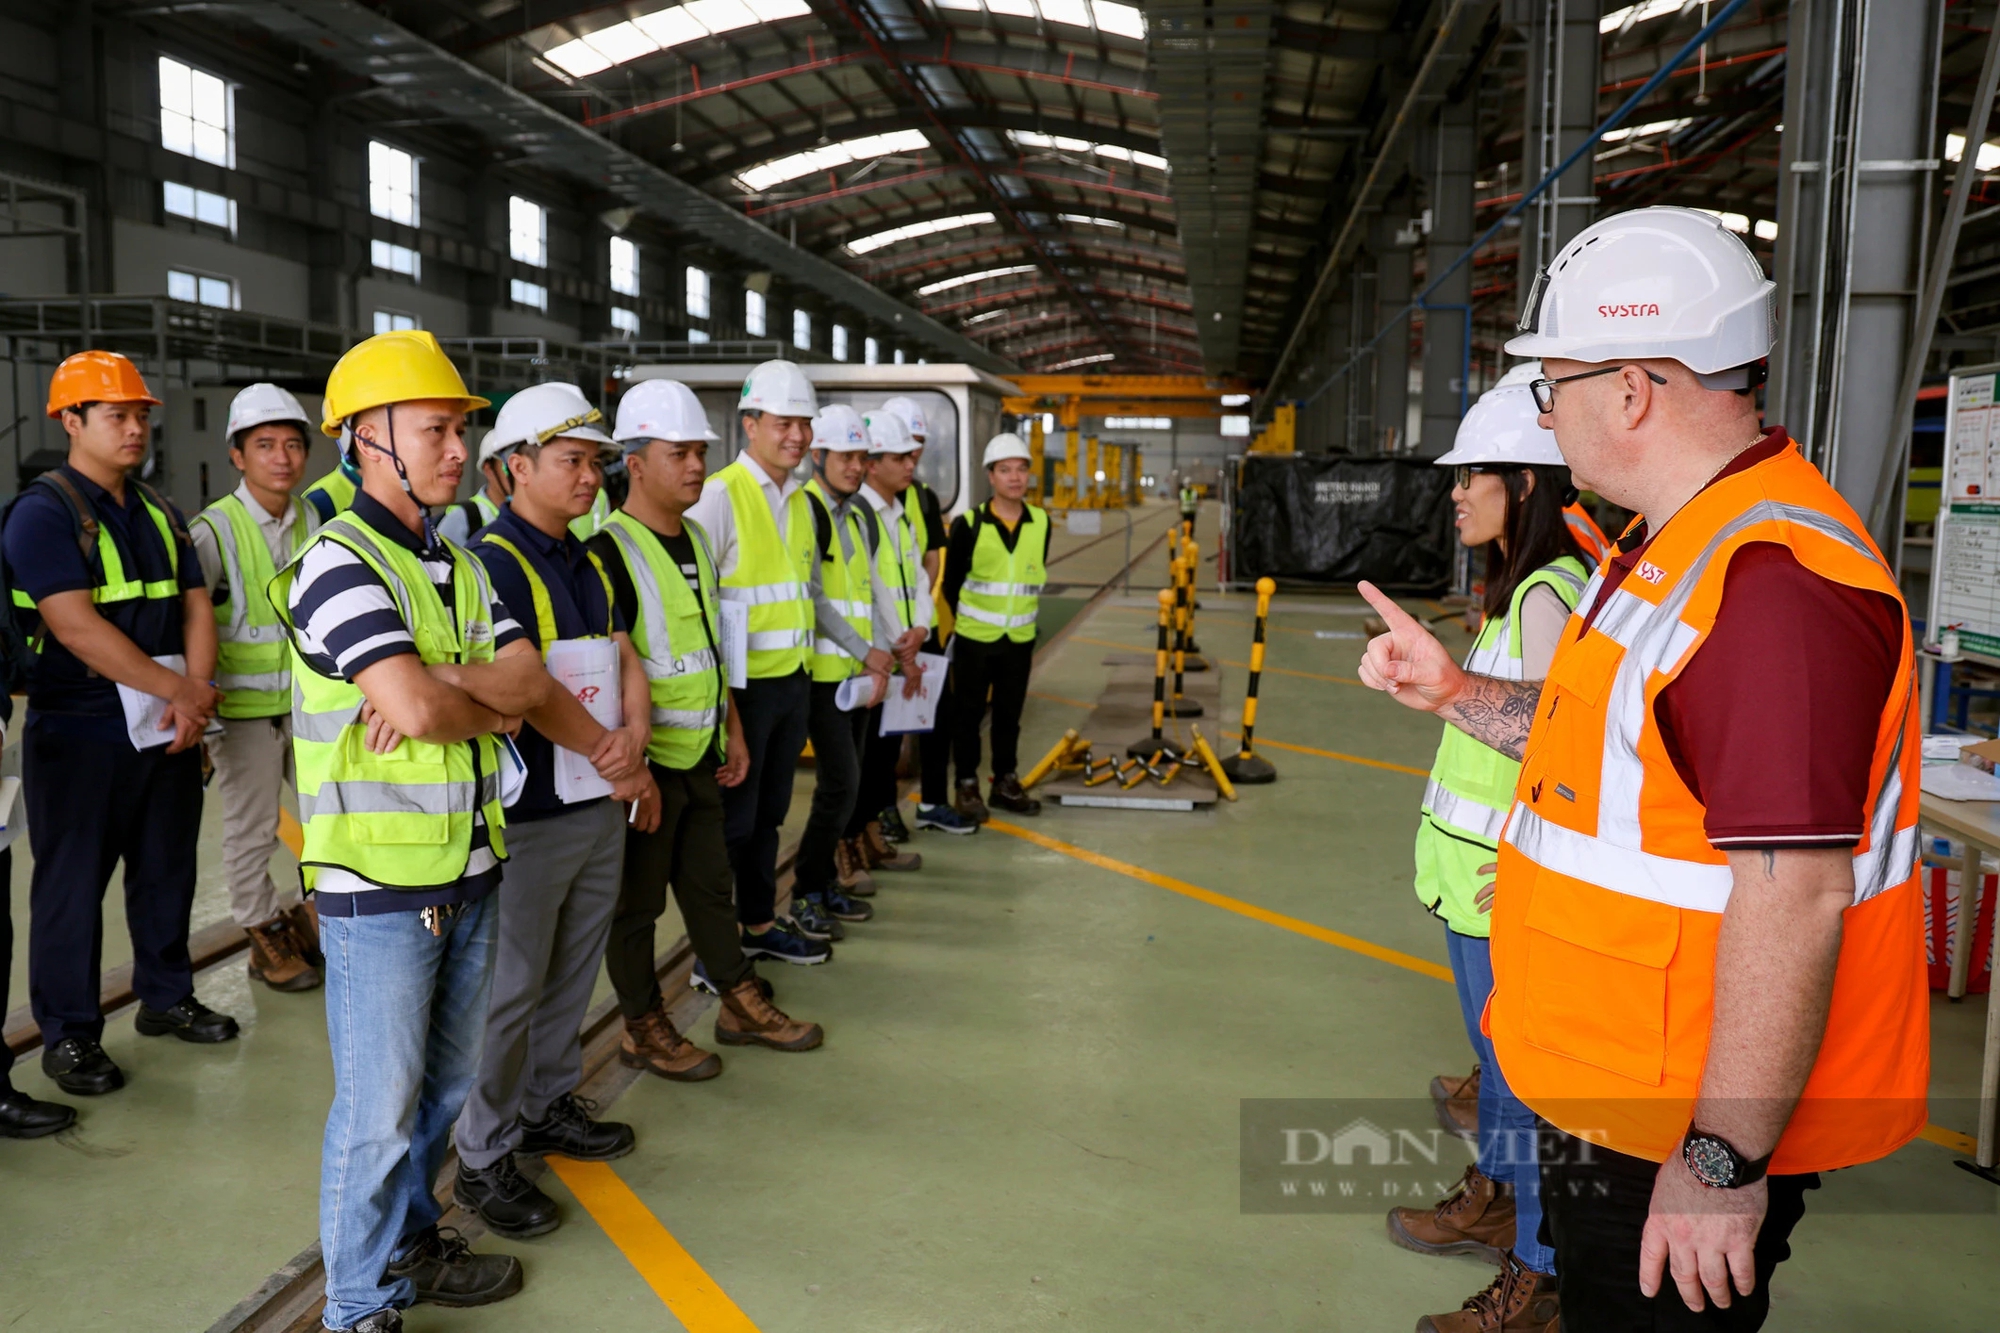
x=838, y=429
x=913, y=416
x=540, y=413
x=780, y=388
x=261, y=404
x=1504, y=427
x=1654, y=282
x=1005, y=445
x=660, y=410
x=888, y=433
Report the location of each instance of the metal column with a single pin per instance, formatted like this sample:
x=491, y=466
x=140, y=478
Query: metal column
x=1338, y=345
x=1559, y=112
x=1854, y=211
x=1392, y=353
x=1447, y=163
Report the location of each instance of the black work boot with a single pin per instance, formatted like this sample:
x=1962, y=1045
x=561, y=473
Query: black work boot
x=1009, y=794
x=190, y=1020
x=507, y=1202
x=569, y=1127
x=80, y=1068
x=445, y=1271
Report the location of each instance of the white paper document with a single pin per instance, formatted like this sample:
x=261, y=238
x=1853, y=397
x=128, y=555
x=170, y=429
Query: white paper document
x=857, y=692
x=919, y=711
x=513, y=771
x=588, y=669
x=143, y=711
x=734, y=625
x=1960, y=782
x=11, y=823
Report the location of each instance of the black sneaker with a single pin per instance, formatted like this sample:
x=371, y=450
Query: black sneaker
x=893, y=827
x=508, y=1202
x=80, y=1068
x=843, y=908
x=382, y=1321
x=445, y=1271
x=190, y=1020
x=809, y=918
x=782, y=945
x=569, y=1127
x=944, y=819
x=699, y=980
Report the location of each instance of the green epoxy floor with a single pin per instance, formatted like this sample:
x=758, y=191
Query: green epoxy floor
x=1026, y=1113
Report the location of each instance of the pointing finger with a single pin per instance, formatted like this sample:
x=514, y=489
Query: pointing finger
x=1397, y=619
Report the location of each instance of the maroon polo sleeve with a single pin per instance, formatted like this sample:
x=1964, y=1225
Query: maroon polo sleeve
x=1772, y=724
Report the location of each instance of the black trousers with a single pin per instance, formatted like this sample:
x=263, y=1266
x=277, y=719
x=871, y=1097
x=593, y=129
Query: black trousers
x=836, y=742
x=6, y=954
x=879, y=757
x=91, y=804
x=774, y=713
x=1595, y=1203
x=687, y=851
x=1000, y=668
x=934, y=746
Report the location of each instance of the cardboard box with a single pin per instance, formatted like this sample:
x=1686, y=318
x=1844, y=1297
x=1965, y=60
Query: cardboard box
x=1985, y=755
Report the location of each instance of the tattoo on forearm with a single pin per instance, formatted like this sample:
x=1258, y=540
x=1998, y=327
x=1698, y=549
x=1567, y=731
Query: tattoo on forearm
x=1497, y=712
x=1770, y=863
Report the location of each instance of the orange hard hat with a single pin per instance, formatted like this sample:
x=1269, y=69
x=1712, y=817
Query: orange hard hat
x=96, y=377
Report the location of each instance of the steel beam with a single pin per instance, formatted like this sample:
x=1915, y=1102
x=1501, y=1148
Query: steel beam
x=1392, y=354
x=1445, y=164
x=1559, y=112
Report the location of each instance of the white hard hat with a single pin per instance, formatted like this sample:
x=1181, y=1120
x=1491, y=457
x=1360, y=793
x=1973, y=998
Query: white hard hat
x=913, y=416
x=780, y=388
x=660, y=410
x=1005, y=445
x=540, y=413
x=838, y=429
x=1654, y=282
x=1504, y=428
x=261, y=404
x=888, y=433
x=1524, y=374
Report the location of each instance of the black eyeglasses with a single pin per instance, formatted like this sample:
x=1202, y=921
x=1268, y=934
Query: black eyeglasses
x=1465, y=472
x=1545, y=390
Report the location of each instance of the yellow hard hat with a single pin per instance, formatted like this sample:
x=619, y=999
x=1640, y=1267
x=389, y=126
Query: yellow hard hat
x=396, y=367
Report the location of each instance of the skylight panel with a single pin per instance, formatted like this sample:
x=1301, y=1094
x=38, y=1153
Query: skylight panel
x=967, y=279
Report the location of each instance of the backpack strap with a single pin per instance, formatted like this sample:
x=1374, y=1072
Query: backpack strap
x=82, y=513
x=822, y=526
x=160, y=502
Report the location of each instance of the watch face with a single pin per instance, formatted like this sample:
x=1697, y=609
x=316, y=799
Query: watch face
x=1711, y=1161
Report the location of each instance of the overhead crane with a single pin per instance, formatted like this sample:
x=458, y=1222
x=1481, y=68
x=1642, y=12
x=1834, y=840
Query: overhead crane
x=1070, y=398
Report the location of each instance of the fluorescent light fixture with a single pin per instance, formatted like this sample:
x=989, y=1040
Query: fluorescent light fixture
x=1765, y=230
x=965, y=279
x=1076, y=13
x=779, y=170
x=1954, y=151
x=1084, y=361
x=1646, y=131
x=1120, y=20
x=1235, y=400
x=1088, y=220
x=1621, y=20
x=1062, y=143
x=1138, y=423
x=867, y=244
x=664, y=29
x=1736, y=222
x=981, y=319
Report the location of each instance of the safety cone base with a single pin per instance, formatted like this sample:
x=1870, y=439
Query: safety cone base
x=1249, y=769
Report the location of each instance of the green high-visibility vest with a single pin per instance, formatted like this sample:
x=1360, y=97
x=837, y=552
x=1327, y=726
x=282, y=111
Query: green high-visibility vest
x=898, y=569
x=253, y=663
x=538, y=591
x=675, y=636
x=336, y=488
x=402, y=819
x=843, y=577
x=1003, y=589
x=771, y=575
x=586, y=526
x=920, y=520
x=1471, y=786
x=115, y=586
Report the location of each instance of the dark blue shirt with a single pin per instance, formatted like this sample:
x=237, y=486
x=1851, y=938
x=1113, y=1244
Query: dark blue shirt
x=578, y=602
x=43, y=559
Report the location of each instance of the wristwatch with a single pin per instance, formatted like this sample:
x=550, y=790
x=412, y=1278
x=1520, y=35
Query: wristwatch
x=1716, y=1164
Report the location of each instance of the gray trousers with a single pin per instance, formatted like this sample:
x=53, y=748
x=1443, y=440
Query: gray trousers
x=556, y=896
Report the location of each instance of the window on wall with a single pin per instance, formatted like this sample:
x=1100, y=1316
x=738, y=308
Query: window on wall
x=392, y=184
x=388, y=321
x=624, y=267
x=183, y=201
x=196, y=114
x=754, y=322
x=528, y=231
x=697, y=335
x=871, y=351
x=388, y=258
x=1236, y=425
x=840, y=342
x=1138, y=423
x=698, y=304
x=899, y=356
x=625, y=322
x=207, y=289
x=802, y=330
x=530, y=294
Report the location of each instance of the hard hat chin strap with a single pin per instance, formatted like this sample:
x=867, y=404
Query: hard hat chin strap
x=402, y=474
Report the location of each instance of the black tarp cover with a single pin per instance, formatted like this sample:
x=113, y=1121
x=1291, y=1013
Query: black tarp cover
x=1343, y=519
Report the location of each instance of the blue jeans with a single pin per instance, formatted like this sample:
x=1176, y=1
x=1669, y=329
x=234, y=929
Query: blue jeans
x=405, y=1014
x=1506, y=1125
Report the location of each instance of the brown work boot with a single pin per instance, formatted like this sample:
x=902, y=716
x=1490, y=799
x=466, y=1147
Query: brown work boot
x=850, y=869
x=1457, y=1102
x=275, y=960
x=748, y=1019
x=1446, y=1086
x=304, y=919
x=1009, y=794
x=965, y=800
x=882, y=854
x=652, y=1043
x=1477, y=1217
x=1519, y=1300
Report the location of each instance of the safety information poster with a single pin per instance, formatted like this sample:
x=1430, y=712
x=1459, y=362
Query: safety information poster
x=1965, y=579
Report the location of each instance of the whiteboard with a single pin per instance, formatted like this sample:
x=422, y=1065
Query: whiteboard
x=1965, y=576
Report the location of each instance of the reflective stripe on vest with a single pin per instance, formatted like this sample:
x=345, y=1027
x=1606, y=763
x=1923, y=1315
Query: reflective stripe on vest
x=1001, y=595
x=402, y=819
x=116, y=587
x=1589, y=537
x=253, y=663
x=673, y=635
x=538, y=590
x=845, y=583
x=772, y=574
x=1611, y=898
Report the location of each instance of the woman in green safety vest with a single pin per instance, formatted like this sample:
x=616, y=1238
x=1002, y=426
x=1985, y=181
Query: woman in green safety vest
x=241, y=540
x=1510, y=493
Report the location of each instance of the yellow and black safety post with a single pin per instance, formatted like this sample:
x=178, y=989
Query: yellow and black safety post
x=1178, y=704
x=1246, y=765
x=1156, y=742
x=1059, y=752
x=1190, y=569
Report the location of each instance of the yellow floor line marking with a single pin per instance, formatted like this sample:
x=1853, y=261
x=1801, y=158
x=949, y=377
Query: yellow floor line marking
x=1334, y=754
x=1947, y=1138
x=668, y=1269
x=290, y=833
x=1059, y=699
x=1226, y=903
